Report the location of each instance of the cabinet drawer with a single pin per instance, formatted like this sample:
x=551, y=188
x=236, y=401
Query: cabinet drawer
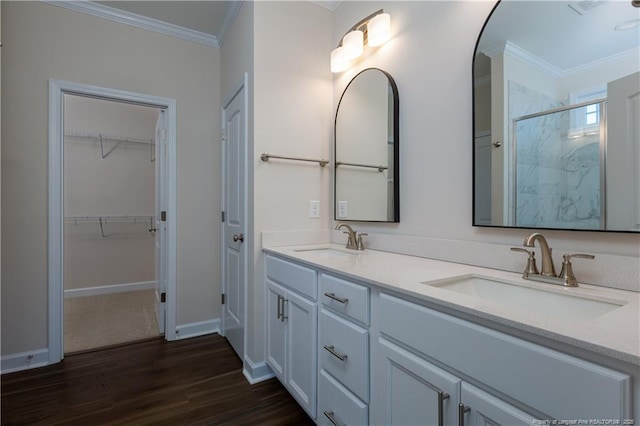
x=559, y=385
x=345, y=297
x=335, y=401
x=301, y=279
x=344, y=352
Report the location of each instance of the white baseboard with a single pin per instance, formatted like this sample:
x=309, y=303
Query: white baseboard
x=256, y=372
x=195, y=329
x=109, y=289
x=24, y=361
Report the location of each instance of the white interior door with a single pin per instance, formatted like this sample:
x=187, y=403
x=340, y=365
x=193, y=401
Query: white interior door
x=233, y=232
x=623, y=154
x=160, y=224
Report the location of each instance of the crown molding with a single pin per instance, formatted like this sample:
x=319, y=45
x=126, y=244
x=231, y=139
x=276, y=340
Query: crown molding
x=522, y=55
x=135, y=20
x=232, y=13
x=551, y=70
x=609, y=60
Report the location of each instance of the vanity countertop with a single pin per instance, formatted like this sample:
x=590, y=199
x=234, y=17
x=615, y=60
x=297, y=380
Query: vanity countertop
x=615, y=334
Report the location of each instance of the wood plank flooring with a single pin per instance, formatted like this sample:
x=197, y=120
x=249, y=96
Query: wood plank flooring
x=194, y=381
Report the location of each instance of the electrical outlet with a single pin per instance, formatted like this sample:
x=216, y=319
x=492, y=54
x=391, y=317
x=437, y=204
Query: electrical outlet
x=343, y=209
x=314, y=208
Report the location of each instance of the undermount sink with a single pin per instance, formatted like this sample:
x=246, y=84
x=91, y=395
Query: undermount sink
x=326, y=252
x=560, y=303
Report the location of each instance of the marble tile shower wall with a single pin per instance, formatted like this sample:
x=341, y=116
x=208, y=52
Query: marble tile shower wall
x=557, y=177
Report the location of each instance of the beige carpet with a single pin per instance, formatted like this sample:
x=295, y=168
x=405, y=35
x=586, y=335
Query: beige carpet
x=97, y=321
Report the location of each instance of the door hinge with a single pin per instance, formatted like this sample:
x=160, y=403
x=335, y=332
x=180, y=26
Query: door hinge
x=163, y=216
x=222, y=216
x=163, y=297
x=222, y=298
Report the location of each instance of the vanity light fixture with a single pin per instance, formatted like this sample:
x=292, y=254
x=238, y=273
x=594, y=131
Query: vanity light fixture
x=374, y=30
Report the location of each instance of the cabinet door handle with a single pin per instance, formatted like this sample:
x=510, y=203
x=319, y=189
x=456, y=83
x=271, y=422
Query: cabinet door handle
x=336, y=298
x=279, y=316
x=284, y=317
x=332, y=351
x=441, y=397
x=332, y=417
x=461, y=410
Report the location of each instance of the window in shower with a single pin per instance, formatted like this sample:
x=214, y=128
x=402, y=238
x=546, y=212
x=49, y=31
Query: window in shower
x=586, y=120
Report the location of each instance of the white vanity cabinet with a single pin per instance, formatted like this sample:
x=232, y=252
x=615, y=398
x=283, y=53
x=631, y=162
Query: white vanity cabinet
x=343, y=358
x=537, y=382
x=409, y=390
x=292, y=328
x=358, y=353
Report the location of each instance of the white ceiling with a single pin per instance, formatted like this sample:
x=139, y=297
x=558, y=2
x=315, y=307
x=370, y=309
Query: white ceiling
x=557, y=34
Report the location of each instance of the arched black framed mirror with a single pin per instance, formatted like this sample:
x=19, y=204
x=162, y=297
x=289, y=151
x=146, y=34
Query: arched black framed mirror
x=556, y=93
x=366, y=178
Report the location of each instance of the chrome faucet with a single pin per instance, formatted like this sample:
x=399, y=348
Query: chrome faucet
x=354, y=240
x=566, y=277
x=547, y=261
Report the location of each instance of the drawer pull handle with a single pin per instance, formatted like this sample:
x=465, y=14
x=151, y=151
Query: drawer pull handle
x=279, y=316
x=461, y=410
x=332, y=351
x=336, y=298
x=284, y=317
x=332, y=417
x=441, y=397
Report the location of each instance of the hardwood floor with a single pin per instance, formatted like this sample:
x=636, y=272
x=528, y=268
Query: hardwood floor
x=194, y=381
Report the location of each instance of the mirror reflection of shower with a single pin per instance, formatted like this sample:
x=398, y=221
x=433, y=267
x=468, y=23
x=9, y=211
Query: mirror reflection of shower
x=559, y=176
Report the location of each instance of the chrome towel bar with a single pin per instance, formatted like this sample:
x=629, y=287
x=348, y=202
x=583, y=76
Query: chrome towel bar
x=380, y=168
x=266, y=157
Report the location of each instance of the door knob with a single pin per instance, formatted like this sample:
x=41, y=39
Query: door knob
x=238, y=238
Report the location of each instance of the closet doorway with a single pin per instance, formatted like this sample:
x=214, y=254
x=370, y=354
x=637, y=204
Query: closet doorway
x=109, y=223
x=111, y=218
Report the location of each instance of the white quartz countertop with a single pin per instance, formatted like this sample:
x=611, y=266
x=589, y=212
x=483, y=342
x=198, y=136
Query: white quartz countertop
x=615, y=334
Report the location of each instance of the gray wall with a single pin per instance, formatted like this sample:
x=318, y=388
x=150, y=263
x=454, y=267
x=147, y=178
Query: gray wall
x=42, y=42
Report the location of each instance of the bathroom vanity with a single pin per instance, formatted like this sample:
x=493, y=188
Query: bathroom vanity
x=381, y=338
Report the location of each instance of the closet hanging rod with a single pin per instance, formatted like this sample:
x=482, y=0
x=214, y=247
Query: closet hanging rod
x=266, y=157
x=380, y=168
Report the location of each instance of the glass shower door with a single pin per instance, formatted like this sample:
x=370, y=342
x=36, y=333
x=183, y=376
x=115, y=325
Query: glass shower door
x=559, y=168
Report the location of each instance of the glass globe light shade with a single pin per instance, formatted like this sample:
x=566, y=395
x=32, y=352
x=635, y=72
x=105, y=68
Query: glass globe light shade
x=379, y=30
x=339, y=61
x=353, y=43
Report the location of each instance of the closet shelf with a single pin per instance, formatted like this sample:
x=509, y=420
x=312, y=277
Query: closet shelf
x=103, y=220
x=101, y=137
x=106, y=219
